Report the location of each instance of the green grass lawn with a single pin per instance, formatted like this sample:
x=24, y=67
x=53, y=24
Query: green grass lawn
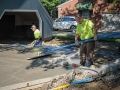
x=62, y=36
x=71, y=37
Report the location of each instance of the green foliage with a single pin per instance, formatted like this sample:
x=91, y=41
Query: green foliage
x=113, y=4
x=84, y=6
x=51, y=6
x=62, y=1
x=112, y=39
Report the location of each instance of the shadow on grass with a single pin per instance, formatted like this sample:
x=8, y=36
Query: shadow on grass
x=62, y=36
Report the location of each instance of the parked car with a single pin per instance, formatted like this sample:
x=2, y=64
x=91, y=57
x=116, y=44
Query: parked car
x=65, y=23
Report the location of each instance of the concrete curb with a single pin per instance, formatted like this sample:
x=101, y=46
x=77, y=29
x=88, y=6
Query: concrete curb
x=27, y=84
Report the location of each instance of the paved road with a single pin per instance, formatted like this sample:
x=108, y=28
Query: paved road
x=13, y=67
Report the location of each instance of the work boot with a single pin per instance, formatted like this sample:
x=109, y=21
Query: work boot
x=90, y=63
x=82, y=63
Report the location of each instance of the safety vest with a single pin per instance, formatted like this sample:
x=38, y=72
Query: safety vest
x=37, y=34
x=85, y=29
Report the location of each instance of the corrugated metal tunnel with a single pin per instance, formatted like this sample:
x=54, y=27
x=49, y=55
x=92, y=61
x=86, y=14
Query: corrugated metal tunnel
x=17, y=25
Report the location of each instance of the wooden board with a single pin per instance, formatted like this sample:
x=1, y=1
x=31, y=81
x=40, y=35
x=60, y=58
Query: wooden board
x=36, y=57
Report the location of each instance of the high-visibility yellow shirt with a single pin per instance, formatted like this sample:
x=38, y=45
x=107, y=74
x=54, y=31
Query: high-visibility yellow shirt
x=37, y=34
x=85, y=29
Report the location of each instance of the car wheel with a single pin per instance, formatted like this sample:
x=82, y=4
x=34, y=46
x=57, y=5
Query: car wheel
x=55, y=29
x=73, y=28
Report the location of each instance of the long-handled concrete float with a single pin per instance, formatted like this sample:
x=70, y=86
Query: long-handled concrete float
x=47, y=52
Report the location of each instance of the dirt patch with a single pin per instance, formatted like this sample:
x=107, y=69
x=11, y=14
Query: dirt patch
x=106, y=52
x=59, y=42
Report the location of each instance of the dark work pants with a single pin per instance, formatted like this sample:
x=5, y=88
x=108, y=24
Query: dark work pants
x=38, y=43
x=87, y=49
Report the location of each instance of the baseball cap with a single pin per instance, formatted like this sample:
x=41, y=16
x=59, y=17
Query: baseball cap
x=33, y=26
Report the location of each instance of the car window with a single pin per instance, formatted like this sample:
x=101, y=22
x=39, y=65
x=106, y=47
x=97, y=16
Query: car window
x=59, y=20
x=72, y=19
x=66, y=19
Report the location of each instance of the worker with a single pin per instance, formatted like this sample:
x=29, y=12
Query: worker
x=37, y=36
x=85, y=30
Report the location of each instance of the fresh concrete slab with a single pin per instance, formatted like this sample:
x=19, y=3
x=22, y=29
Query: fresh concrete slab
x=14, y=67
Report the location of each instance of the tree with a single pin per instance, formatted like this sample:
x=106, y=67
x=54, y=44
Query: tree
x=62, y=1
x=51, y=6
x=113, y=4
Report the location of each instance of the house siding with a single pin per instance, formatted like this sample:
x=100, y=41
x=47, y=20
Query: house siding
x=67, y=8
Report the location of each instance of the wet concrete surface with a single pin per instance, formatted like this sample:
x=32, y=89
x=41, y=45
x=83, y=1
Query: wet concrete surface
x=14, y=66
